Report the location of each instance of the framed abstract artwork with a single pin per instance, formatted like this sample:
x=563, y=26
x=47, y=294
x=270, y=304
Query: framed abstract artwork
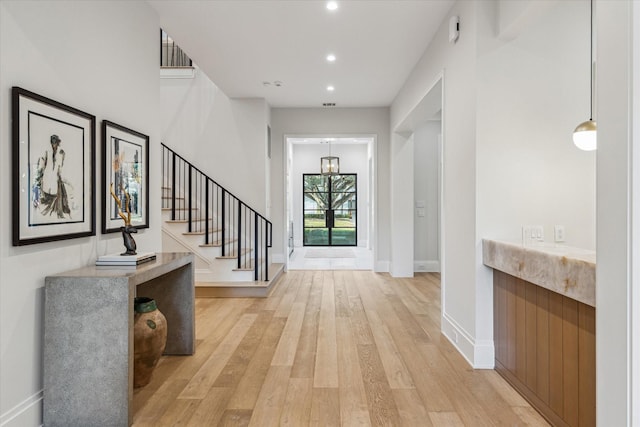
x=53, y=176
x=125, y=154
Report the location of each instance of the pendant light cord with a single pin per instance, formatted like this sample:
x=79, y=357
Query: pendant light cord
x=591, y=64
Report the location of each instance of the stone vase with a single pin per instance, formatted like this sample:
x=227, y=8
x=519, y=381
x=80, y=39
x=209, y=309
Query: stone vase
x=149, y=339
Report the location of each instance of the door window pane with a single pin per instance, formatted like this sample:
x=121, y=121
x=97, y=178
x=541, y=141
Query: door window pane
x=316, y=201
x=344, y=219
x=343, y=237
x=316, y=236
x=315, y=218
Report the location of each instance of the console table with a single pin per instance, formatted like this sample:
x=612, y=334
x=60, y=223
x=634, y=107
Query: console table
x=88, y=335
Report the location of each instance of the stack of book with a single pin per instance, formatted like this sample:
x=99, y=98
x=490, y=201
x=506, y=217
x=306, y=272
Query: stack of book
x=130, y=260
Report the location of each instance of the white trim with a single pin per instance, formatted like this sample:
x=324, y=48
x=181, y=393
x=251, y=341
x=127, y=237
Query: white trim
x=429, y=266
x=381, y=266
x=28, y=409
x=177, y=72
x=634, y=323
x=205, y=277
x=484, y=355
x=277, y=258
x=171, y=235
x=480, y=355
x=441, y=216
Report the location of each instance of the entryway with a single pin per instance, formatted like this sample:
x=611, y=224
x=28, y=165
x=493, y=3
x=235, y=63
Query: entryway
x=326, y=214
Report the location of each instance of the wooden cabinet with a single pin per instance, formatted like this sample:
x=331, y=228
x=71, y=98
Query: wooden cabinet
x=545, y=348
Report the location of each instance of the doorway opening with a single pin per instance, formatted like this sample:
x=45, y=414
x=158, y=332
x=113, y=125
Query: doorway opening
x=330, y=215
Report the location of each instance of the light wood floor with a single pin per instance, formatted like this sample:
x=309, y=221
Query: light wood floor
x=328, y=348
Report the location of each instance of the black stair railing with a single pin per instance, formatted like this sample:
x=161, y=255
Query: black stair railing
x=170, y=53
x=210, y=210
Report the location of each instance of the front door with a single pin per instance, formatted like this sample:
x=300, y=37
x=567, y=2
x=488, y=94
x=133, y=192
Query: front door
x=330, y=210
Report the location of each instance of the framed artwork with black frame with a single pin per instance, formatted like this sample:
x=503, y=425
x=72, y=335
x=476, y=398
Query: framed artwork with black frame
x=125, y=154
x=53, y=176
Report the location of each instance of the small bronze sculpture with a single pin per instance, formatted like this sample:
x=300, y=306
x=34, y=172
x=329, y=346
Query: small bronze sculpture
x=129, y=243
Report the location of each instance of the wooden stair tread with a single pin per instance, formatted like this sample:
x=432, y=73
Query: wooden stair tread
x=184, y=221
x=201, y=233
x=217, y=243
x=180, y=209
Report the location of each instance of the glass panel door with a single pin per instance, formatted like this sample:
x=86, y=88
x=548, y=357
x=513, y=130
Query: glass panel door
x=330, y=210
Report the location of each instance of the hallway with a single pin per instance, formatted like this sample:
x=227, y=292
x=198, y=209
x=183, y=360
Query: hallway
x=328, y=348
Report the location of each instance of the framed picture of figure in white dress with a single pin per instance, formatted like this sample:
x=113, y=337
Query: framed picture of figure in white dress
x=53, y=158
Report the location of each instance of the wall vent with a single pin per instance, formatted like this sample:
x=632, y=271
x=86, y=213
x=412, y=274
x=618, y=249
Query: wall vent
x=328, y=104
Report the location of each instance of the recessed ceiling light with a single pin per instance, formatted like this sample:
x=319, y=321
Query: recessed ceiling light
x=331, y=57
x=331, y=88
x=332, y=5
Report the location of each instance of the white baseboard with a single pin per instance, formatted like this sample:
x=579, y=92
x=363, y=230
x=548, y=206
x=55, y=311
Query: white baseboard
x=484, y=357
x=425, y=266
x=25, y=414
x=382, y=266
x=480, y=354
x=203, y=276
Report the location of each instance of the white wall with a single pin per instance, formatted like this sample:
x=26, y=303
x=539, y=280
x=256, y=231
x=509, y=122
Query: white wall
x=426, y=161
x=510, y=105
x=532, y=174
x=402, y=181
x=534, y=91
x=616, y=201
x=225, y=138
x=459, y=206
x=353, y=159
x=332, y=122
x=102, y=58
x=634, y=283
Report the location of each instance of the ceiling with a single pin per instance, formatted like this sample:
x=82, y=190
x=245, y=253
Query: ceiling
x=240, y=44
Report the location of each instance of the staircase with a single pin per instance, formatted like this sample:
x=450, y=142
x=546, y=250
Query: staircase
x=229, y=239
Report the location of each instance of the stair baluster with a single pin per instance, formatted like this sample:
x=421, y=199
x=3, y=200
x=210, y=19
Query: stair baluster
x=224, y=214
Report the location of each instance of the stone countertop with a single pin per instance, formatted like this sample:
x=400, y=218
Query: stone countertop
x=136, y=274
x=563, y=269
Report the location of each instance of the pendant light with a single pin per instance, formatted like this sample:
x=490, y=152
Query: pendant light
x=585, y=135
x=329, y=165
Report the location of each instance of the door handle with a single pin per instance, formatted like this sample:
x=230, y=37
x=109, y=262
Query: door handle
x=327, y=218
